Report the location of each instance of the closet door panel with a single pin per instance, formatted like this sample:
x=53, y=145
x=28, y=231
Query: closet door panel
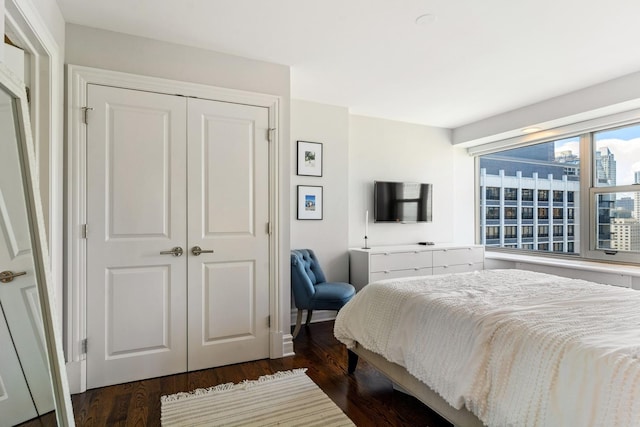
x=136, y=194
x=228, y=215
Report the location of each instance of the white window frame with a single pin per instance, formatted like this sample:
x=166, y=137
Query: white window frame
x=587, y=216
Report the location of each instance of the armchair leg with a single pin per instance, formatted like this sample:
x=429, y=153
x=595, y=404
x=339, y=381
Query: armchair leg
x=298, y=324
x=308, y=317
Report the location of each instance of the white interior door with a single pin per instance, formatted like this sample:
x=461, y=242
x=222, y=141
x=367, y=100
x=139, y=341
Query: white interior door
x=19, y=297
x=136, y=198
x=16, y=405
x=228, y=215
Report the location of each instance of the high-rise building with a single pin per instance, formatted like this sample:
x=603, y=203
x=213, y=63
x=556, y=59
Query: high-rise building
x=605, y=167
x=625, y=234
x=636, y=197
x=535, y=213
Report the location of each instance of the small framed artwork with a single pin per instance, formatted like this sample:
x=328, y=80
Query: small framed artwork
x=309, y=158
x=309, y=202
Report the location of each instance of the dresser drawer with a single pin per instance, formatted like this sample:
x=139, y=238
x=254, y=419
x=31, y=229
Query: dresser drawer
x=395, y=274
x=400, y=260
x=449, y=257
x=458, y=268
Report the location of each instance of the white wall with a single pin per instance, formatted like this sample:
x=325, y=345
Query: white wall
x=386, y=150
x=136, y=55
x=328, y=238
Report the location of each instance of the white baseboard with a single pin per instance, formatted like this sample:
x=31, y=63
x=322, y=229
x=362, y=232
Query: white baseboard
x=76, y=376
x=318, y=316
x=287, y=345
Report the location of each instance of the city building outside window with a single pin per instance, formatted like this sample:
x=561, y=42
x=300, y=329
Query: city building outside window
x=493, y=212
x=510, y=213
x=511, y=194
x=558, y=196
x=511, y=232
x=532, y=180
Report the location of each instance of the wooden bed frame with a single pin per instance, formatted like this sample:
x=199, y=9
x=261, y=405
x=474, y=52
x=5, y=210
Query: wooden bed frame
x=411, y=385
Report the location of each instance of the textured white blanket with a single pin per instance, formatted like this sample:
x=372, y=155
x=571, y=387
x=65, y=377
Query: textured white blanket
x=518, y=348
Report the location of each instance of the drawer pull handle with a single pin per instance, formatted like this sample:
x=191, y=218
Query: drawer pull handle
x=386, y=272
x=416, y=268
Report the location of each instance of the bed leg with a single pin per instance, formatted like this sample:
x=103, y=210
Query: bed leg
x=352, y=362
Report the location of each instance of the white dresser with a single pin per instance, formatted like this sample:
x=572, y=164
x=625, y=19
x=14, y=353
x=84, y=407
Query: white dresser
x=389, y=262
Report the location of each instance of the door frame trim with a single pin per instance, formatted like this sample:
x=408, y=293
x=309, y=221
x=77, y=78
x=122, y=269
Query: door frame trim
x=78, y=78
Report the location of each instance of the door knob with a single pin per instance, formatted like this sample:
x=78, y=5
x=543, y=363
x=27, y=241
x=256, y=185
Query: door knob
x=197, y=250
x=8, y=276
x=177, y=251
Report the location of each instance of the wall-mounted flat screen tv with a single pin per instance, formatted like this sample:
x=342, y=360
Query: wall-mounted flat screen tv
x=402, y=202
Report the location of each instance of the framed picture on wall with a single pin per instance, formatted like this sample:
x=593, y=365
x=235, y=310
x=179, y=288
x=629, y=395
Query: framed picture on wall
x=309, y=202
x=309, y=158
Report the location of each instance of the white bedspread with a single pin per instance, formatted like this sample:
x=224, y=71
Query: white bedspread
x=518, y=348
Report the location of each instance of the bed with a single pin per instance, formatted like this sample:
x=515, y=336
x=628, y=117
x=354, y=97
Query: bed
x=503, y=347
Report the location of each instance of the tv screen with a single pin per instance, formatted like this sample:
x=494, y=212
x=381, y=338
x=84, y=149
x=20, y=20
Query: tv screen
x=402, y=202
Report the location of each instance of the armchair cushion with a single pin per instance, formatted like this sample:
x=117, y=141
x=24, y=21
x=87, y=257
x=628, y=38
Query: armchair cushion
x=332, y=295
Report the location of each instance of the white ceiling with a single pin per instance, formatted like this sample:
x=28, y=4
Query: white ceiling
x=475, y=60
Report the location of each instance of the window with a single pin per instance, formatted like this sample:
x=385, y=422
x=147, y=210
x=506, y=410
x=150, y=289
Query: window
x=493, y=212
x=557, y=231
x=558, y=196
x=493, y=193
x=543, y=213
x=527, y=195
x=616, y=176
x=493, y=232
x=510, y=213
x=586, y=185
x=543, y=231
x=511, y=194
x=511, y=232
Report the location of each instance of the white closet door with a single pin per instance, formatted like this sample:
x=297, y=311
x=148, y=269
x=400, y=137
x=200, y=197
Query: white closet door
x=228, y=214
x=19, y=298
x=16, y=405
x=136, y=198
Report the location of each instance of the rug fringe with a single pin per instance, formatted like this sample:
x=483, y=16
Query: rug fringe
x=246, y=384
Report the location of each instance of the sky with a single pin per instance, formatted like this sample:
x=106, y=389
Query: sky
x=624, y=143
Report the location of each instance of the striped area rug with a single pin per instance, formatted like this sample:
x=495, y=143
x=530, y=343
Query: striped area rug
x=287, y=398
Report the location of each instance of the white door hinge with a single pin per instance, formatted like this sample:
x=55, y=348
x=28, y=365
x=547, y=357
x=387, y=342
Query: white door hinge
x=270, y=132
x=83, y=346
x=269, y=321
x=269, y=229
x=85, y=110
x=83, y=232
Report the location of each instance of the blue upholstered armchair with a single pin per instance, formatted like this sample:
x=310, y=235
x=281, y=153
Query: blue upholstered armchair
x=310, y=288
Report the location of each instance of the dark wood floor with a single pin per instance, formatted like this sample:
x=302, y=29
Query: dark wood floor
x=366, y=396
